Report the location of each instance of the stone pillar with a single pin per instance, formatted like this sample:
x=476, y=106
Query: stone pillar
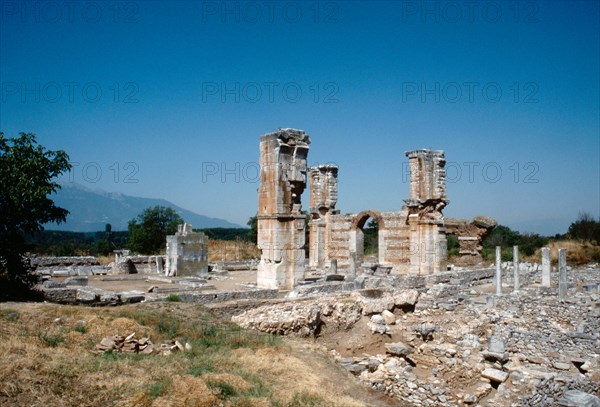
x=323, y=182
x=333, y=266
x=498, y=280
x=352, y=264
x=563, y=281
x=281, y=223
x=427, y=236
x=516, y=267
x=545, y=267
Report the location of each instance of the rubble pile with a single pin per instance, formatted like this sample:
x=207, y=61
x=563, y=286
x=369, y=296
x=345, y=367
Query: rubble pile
x=128, y=344
x=455, y=344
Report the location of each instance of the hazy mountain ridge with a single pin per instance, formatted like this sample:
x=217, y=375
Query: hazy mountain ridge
x=91, y=209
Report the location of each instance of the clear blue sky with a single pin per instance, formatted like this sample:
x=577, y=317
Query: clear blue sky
x=176, y=94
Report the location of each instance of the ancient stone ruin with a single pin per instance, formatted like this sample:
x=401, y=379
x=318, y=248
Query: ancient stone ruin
x=410, y=241
x=280, y=219
x=187, y=252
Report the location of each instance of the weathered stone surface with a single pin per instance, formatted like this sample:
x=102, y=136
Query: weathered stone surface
x=388, y=317
x=79, y=281
x=398, y=349
x=54, y=284
x=576, y=398
x=303, y=319
x=406, y=297
x=132, y=296
x=377, y=325
x=123, y=267
x=495, y=375
x=373, y=301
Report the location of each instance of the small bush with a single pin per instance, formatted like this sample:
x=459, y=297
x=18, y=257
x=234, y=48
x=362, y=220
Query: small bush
x=81, y=328
x=51, y=340
x=173, y=298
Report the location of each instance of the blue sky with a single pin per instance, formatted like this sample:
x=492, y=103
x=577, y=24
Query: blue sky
x=169, y=99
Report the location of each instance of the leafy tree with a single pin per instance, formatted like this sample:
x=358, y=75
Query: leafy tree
x=371, y=237
x=147, y=233
x=27, y=178
x=253, y=232
x=585, y=228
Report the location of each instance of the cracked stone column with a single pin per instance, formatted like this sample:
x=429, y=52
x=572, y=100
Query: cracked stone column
x=281, y=223
x=498, y=280
x=563, y=281
x=545, y=267
x=516, y=267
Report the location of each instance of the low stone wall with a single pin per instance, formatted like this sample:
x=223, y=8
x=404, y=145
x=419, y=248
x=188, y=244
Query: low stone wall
x=224, y=296
x=323, y=289
x=401, y=282
x=91, y=296
x=63, y=261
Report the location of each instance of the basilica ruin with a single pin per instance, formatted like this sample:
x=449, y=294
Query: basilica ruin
x=410, y=241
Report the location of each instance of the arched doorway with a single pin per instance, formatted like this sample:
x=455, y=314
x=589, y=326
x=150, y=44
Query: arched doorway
x=366, y=238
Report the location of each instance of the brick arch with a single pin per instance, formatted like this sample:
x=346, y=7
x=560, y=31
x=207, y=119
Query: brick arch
x=359, y=220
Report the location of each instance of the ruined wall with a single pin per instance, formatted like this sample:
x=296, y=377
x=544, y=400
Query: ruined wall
x=470, y=237
x=412, y=240
x=281, y=227
x=187, y=252
x=323, y=198
x=428, y=245
x=394, y=251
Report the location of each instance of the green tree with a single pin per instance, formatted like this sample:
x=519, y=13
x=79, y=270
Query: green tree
x=27, y=178
x=585, y=228
x=148, y=232
x=253, y=232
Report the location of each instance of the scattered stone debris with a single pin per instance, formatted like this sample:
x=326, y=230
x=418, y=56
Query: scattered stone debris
x=128, y=344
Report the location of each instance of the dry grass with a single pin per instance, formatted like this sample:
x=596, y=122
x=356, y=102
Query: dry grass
x=231, y=250
x=105, y=260
x=47, y=358
x=577, y=252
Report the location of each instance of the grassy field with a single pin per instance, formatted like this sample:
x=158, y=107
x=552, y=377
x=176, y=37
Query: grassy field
x=48, y=358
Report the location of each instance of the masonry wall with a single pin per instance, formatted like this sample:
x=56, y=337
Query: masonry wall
x=281, y=223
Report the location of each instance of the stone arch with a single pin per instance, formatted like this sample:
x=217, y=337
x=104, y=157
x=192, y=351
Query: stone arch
x=357, y=236
x=360, y=219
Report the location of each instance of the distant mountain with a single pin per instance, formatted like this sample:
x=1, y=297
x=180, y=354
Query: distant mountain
x=91, y=209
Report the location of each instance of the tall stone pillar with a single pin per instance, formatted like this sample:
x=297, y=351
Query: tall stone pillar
x=545, y=267
x=323, y=181
x=498, y=280
x=428, y=245
x=281, y=223
x=516, y=267
x=563, y=281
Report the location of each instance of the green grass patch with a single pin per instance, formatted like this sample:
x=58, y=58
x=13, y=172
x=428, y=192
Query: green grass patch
x=304, y=399
x=159, y=388
x=225, y=390
x=10, y=315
